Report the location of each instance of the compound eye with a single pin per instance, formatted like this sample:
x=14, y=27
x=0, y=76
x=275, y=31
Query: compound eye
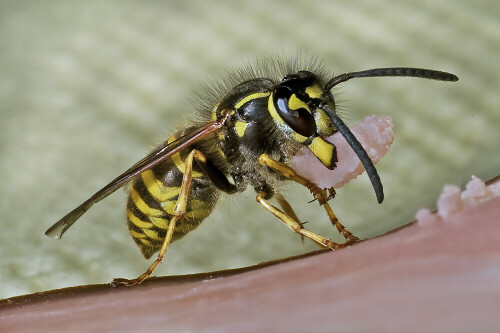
x=300, y=120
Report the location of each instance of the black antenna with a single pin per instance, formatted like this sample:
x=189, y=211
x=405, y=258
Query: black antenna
x=393, y=71
x=349, y=136
x=358, y=149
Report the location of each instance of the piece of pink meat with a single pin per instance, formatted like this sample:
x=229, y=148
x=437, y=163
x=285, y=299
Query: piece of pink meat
x=374, y=133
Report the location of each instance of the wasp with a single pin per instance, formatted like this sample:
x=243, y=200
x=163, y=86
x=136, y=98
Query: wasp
x=250, y=128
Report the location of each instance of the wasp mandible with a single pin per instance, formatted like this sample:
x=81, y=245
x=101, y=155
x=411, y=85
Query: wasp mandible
x=252, y=126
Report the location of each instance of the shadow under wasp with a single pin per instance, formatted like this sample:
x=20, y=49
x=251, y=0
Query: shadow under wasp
x=253, y=125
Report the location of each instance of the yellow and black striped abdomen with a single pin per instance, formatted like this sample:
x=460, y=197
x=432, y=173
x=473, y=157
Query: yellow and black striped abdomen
x=153, y=196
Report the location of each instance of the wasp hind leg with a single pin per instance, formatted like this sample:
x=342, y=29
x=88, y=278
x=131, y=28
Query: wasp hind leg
x=318, y=193
x=179, y=210
x=287, y=208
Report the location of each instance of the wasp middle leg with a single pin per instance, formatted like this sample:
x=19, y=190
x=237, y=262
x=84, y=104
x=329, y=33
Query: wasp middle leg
x=178, y=212
x=318, y=193
x=296, y=226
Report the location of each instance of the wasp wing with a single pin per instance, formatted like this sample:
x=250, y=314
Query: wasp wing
x=156, y=156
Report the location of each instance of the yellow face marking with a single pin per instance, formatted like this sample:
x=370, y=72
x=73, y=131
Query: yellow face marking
x=143, y=206
x=323, y=150
x=156, y=188
x=240, y=127
x=273, y=112
x=249, y=98
x=323, y=123
x=151, y=234
x=299, y=138
x=314, y=91
x=295, y=103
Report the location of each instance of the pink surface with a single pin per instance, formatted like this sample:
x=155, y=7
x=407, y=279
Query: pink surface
x=435, y=277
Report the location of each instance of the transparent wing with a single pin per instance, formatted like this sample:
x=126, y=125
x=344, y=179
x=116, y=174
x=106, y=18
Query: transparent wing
x=158, y=155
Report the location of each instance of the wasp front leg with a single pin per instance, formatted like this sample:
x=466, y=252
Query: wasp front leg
x=318, y=193
x=178, y=212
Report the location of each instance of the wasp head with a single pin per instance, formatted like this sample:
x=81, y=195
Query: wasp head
x=306, y=112
x=298, y=107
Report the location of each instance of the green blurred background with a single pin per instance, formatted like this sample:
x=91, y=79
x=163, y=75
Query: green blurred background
x=88, y=87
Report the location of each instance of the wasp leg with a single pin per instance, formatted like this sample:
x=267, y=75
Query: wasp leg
x=296, y=226
x=285, y=205
x=340, y=227
x=179, y=211
x=319, y=194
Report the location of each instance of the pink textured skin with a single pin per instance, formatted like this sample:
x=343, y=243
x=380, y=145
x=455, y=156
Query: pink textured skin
x=374, y=133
